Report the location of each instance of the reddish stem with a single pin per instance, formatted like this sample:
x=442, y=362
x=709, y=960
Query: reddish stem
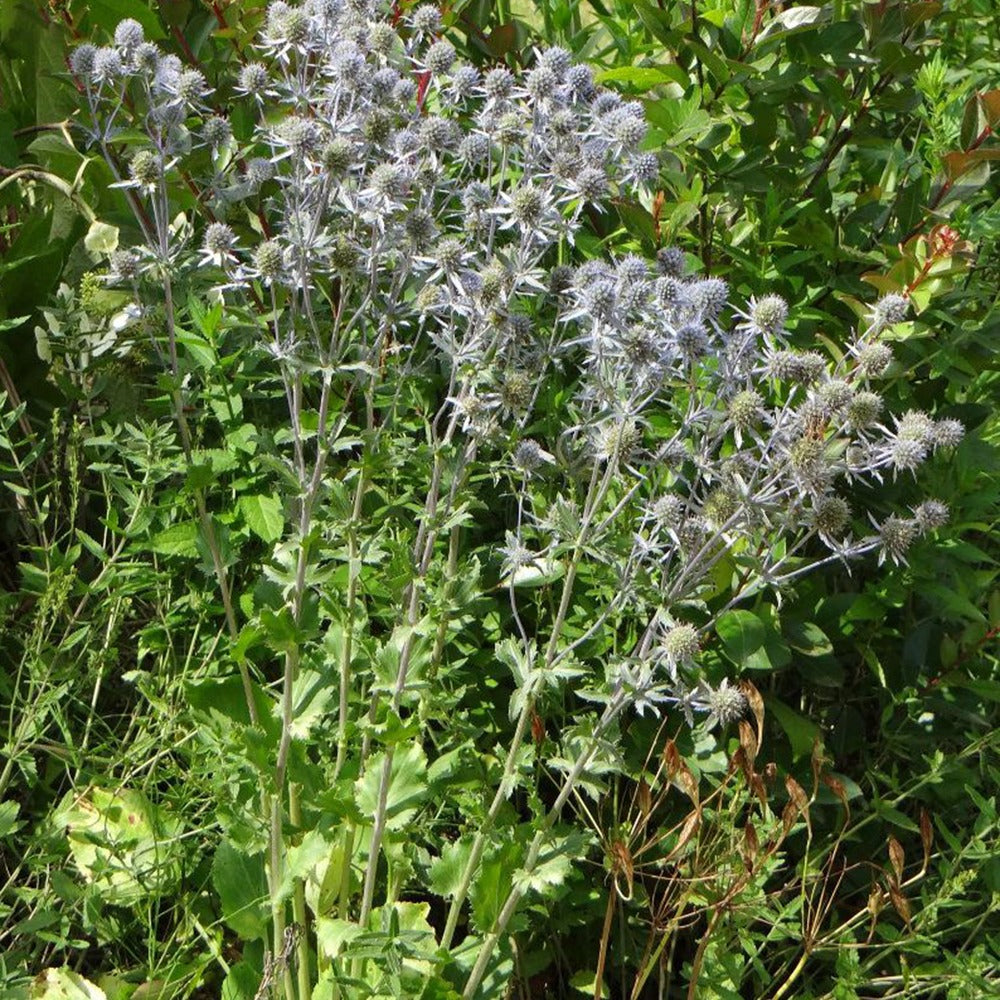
x=185, y=48
x=947, y=185
x=965, y=654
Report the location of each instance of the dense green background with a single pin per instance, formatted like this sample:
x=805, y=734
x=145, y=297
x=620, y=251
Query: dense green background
x=826, y=153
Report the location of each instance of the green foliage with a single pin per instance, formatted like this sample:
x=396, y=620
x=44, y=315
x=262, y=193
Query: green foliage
x=824, y=152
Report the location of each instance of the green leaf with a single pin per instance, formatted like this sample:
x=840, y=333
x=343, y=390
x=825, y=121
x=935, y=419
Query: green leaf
x=807, y=638
x=107, y=13
x=242, y=982
x=742, y=634
x=306, y=861
x=241, y=886
x=794, y=20
x=892, y=815
x=13, y=323
x=773, y=655
x=200, y=350
x=122, y=843
x=177, y=540
x=546, y=874
x=446, y=871
x=199, y=475
x=333, y=934
x=265, y=516
x=312, y=693
x=8, y=143
x=280, y=628
x=644, y=77
x=101, y=239
x=8, y=818
x=915, y=13
x=222, y=701
x=585, y=981
x=493, y=883
x=407, y=785
x=657, y=22
x=800, y=731
x=64, y=984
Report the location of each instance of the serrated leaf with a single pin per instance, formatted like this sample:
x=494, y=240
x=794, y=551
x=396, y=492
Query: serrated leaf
x=447, y=870
x=555, y=862
x=241, y=982
x=13, y=323
x=546, y=874
x=333, y=934
x=264, y=515
x=8, y=818
x=241, y=886
x=407, y=785
x=312, y=693
x=493, y=884
x=64, y=984
x=305, y=861
x=177, y=540
x=122, y=843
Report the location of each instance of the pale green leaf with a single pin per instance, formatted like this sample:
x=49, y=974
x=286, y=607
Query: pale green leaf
x=64, y=984
x=101, y=239
x=407, y=785
x=122, y=843
x=447, y=870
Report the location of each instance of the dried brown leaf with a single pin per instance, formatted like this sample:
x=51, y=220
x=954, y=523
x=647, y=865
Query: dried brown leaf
x=752, y=844
x=671, y=760
x=797, y=794
x=645, y=799
x=788, y=816
x=926, y=835
x=897, y=857
x=990, y=103
x=900, y=903
x=837, y=787
x=738, y=762
x=622, y=864
x=756, y=703
x=874, y=908
x=817, y=760
x=537, y=728
x=748, y=741
x=688, y=783
x=688, y=830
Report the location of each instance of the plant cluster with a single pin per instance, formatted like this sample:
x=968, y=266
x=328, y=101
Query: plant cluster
x=421, y=513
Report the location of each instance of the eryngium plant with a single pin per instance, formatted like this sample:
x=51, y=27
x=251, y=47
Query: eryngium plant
x=390, y=235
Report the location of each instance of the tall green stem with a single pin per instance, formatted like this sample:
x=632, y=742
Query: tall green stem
x=487, y=949
x=595, y=494
x=353, y=574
